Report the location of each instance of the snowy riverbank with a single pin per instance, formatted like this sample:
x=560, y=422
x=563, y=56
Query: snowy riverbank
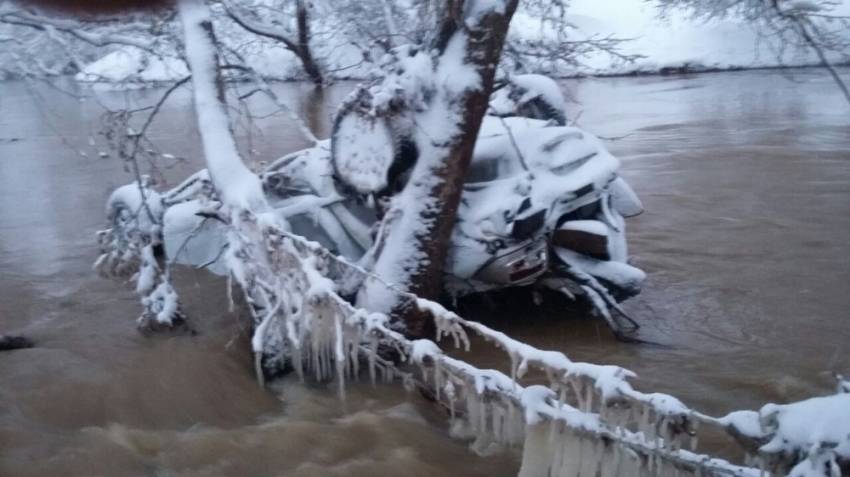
x=674, y=44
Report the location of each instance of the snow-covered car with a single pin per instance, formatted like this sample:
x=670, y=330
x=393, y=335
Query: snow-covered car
x=542, y=205
x=535, y=181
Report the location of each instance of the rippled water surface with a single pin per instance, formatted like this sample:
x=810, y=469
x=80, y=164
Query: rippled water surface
x=746, y=180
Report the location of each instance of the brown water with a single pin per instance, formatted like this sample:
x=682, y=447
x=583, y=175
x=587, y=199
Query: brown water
x=746, y=181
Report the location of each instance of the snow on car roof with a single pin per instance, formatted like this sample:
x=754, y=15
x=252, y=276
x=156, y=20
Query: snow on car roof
x=520, y=143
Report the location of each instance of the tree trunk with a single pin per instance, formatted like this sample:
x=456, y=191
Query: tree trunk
x=299, y=46
x=238, y=187
x=441, y=167
x=305, y=54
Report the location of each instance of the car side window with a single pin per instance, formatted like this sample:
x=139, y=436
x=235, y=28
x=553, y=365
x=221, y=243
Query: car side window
x=483, y=170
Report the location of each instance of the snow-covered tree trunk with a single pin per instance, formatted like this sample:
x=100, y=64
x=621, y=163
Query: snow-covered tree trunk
x=238, y=187
x=470, y=38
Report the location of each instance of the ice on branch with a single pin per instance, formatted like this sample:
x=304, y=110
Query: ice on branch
x=237, y=185
x=132, y=248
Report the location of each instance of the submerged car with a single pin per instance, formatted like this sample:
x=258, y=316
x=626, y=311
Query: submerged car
x=542, y=206
x=533, y=181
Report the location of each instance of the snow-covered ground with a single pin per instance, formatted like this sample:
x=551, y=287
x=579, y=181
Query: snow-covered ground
x=680, y=40
x=671, y=42
x=127, y=64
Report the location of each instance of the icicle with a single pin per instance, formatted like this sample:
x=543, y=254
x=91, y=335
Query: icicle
x=502, y=422
x=622, y=464
x=472, y=410
x=318, y=354
x=347, y=369
x=230, y=305
x=634, y=463
x=450, y=393
x=575, y=385
x=496, y=423
x=616, y=459
x=373, y=354
x=328, y=369
x=643, y=424
x=536, y=451
x=695, y=423
x=555, y=459
x=557, y=467
x=354, y=357
x=258, y=368
x=553, y=430
x=339, y=350
x=598, y=454
x=660, y=467
x=512, y=418
x=482, y=415
x=523, y=367
x=572, y=455
x=654, y=462
x=589, y=458
x=657, y=432
x=294, y=342
x=438, y=380
x=609, y=461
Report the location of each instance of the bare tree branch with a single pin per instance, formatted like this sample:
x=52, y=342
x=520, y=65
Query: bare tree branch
x=76, y=29
x=809, y=32
x=300, y=46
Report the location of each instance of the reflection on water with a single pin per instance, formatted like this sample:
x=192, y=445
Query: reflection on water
x=745, y=178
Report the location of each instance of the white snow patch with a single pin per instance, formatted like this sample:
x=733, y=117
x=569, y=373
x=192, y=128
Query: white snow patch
x=237, y=185
x=363, y=152
x=133, y=65
x=145, y=211
x=193, y=240
x=809, y=424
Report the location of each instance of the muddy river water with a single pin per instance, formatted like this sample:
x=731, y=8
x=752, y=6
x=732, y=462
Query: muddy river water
x=746, y=239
